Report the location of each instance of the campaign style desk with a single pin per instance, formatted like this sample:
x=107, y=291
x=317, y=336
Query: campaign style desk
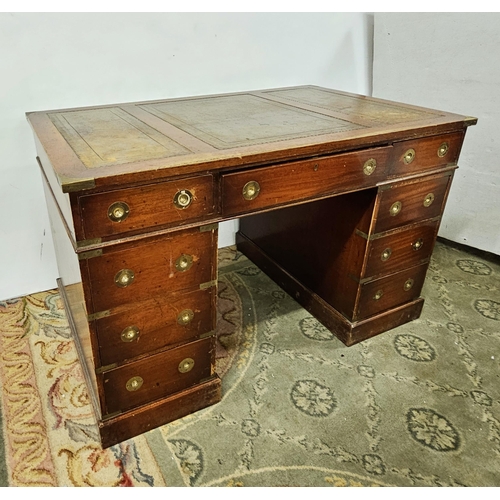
x=340, y=198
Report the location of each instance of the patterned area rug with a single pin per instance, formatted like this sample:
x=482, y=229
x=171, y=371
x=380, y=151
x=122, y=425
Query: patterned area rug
x=416, y=406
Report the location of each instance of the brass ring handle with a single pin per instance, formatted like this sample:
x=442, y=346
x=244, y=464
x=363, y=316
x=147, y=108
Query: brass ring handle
x=408, y=284
x=184, y=262
x=386, y=254
x=378, y=295
x=395, y=208
x=417, y=245
x=370, y=166
x=428, y=200
x=251, y=190
x=185, y=317
x=186, y=365
x=409, y=156
x=443, y=149
x=118, y=211
x=134, y=384
x=130, y=334
x=183, y=199
x=124, y=278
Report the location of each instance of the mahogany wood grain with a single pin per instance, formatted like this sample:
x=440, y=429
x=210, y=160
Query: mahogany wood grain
x=154, y=268
x=388, y=292
x=151, y=207
x=411, y=195
x=291, y=182
x=406, y=248
x=157, y=323
x=326, y=260
x=349, y=332
x=160, y=375
x=160, y=412
x=426, y=153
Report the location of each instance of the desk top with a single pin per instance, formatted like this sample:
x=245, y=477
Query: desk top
x=120, y=144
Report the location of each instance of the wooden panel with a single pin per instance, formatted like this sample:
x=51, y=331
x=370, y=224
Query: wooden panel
x=154, y=266
x=160, y=375
x=302, y=180
x=402, y=249
x=348, y=332
x=411, y=196
x=157, y=322
x=389, y=292
x=150, y=206
x=317, y=243
x=424, y=153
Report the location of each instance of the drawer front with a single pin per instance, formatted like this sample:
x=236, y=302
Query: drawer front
x=404, y=203
x=157, y=376
x=385, y=293
x=400, y=250
x=421, y=154
x=281, y=184
x=146, y=207
x=174, y=262
x=152, y=325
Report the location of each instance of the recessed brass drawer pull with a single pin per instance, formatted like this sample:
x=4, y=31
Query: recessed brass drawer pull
x=396, y=208
x=186, y=365
x=124, y=278
x=408, y=284
x=130, y=334
x=251, y=190
x=118, y=211
x=428, y=200
x=370, y=166
x=184, y=262
x=185, y=317
x=134, y=384
x=386, y=254
x=409, y=156
x=378, y=295
x=183, y=199
x=443, y=149
x=418, y=244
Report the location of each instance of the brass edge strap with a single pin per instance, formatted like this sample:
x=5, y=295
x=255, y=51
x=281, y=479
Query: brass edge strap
x=108, y=416
x=209, y=227
x=207, y=334
x=90, y=255
x=105, y=368
x=79, y=349
x=360, y=233
x=86, y=243
x=98, y=315
x=208, y=284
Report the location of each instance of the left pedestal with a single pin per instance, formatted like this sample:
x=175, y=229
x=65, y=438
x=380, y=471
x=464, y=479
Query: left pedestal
x=142, y=313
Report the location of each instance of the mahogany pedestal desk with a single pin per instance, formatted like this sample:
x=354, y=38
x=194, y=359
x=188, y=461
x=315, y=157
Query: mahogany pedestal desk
x=340, y=198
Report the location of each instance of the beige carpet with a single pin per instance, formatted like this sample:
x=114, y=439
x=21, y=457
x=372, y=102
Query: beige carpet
x=416, y=406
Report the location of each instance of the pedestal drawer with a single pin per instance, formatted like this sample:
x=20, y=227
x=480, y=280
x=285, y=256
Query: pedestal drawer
x=131, y=273
x=146, y=207
x=407, y=202
x=391, y=291
x=154, y=324
x=422, y=154
x=402, y=249
x=157, y=376
x=281, y=184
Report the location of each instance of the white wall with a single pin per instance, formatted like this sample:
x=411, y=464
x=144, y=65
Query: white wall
x=451, y=61
x=52, y=61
